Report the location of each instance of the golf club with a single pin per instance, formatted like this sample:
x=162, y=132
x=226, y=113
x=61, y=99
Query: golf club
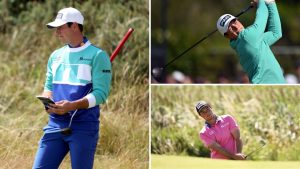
x=157, y=72
x=256, y=150
x=120, y=45
x=68, y=130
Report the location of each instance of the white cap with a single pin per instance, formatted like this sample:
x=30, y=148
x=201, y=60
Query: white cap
x=223, y=23
x=66, y=15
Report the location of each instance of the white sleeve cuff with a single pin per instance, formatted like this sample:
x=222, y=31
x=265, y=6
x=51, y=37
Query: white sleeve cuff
x=269, y=1
x=92, y=100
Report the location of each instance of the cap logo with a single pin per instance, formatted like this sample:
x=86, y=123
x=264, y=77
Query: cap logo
x=59, y=16
x=199, y=106
x=223, y=21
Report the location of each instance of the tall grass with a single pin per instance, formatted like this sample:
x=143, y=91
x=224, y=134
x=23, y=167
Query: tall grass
x=264, y=113
x=24, y=50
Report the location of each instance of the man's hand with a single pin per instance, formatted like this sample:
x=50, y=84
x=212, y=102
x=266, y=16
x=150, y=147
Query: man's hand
x=239, y=156
x=61, y=107
x=254, y=3
x=64, y=106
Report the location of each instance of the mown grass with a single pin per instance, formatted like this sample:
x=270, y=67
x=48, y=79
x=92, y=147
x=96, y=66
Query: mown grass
x=182, y=162
x=24, y=52
x=264, y=113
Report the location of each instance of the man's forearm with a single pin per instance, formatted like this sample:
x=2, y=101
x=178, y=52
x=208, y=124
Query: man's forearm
x=274, y=24
x=80, y=104
x=260, y=23
x=239, y=145
x=221, y=150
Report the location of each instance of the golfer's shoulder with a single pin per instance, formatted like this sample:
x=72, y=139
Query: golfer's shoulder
x=250, y=34
x=97, y=51
x=59, y=51
x=205, y=129
x=226, y=117
x=244, y=33
x=95, y=48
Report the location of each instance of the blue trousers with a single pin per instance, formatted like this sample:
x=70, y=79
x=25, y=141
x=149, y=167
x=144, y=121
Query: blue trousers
x=53, y=147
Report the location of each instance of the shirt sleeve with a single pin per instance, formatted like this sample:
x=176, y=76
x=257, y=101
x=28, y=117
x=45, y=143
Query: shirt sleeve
x=206, y=138
x=101, y=79
x=49, y=75
x=257, y=29
x=274, y=32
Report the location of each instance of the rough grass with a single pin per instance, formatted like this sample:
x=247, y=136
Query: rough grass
x=124, y=139
x=182, y=162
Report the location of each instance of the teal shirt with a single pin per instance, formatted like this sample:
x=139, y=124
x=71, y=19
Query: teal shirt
x=71, y=72
x=75, y=73
x=253, y=46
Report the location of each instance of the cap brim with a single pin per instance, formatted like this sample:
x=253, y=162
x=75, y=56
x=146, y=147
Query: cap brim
x=55, y=24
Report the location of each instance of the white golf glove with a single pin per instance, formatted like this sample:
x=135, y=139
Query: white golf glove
x=269, y=1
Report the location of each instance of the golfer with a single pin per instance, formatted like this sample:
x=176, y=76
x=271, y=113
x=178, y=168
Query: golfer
x=78, y=80
x=220, y=134
x=252, y=44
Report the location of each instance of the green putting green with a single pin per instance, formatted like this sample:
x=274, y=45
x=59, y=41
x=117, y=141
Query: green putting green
x=184, y=162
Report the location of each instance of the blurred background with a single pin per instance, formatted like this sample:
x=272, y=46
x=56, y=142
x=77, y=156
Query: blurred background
x=263, y=113
x=177, y=25
x=25, y=46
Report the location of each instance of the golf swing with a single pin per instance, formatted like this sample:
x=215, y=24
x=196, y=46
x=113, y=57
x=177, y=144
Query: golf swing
x=252, y=44
x=220, y=134
x=157, y=72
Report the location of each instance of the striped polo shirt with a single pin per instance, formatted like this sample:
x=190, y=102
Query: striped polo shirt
x=74, y=73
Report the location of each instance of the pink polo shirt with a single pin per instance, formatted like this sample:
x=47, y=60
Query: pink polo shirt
x=220, y=133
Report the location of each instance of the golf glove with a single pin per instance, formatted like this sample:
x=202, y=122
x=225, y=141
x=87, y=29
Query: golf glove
x=269, y=1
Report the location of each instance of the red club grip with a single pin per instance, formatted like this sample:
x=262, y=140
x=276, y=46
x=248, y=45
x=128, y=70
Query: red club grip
x=120, y=45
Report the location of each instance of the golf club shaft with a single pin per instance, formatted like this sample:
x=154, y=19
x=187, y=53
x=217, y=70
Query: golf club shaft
x=244, y=10
x=120, y=45
x=256, y=150
x=208, y=35
x=195, y=44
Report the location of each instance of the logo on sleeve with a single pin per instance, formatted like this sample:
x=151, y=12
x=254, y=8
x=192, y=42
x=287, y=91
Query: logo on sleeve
x=82, y=58
x=224, y=125
x=105, y=71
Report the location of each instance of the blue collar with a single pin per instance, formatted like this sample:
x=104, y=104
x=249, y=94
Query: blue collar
x=217, y=120
x=81, y=44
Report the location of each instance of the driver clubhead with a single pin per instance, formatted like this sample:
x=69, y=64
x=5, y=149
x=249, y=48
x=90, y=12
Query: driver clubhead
x=157, y=73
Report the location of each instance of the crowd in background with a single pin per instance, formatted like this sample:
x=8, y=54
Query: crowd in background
x=179, y=77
